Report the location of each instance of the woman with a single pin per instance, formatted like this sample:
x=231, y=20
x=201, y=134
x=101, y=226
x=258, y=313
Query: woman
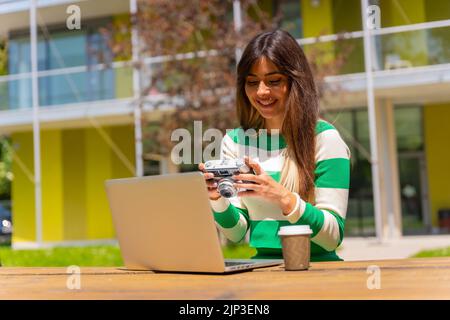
x=305, y=179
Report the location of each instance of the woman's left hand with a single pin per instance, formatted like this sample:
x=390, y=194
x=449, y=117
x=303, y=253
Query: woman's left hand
x=264, y=186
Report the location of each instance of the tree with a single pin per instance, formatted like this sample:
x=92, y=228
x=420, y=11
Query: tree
x=6, y=175
x=198, y=43
x=5, y=144
x=3, y=57
x=3, y=71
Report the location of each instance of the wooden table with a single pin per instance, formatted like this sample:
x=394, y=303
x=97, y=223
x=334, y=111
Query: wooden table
x=424, y=278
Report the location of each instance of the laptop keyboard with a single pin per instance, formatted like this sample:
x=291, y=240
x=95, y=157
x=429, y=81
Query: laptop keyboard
x=235, y=263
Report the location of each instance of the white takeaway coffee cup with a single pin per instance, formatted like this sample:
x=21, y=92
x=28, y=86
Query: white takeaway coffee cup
x=296, y=246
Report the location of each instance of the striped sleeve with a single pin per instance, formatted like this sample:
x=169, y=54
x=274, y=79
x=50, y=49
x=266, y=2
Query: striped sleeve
x=332, y=179
x=231, y=215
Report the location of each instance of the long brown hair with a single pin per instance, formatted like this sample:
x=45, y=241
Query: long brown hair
x=302, y=106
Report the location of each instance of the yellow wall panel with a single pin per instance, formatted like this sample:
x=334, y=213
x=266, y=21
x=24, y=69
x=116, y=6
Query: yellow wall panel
x=52, y=186
x=318, y=21
x=98, y=169
x=400, y=12
x=124, y=75
x=22, y=193
x=437, y=137
x=124, y=82
x=123, y=137
x=408, y=46
x=74, y=162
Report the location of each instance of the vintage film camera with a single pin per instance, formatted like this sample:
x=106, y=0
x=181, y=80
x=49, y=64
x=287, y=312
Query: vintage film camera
x=223, y=171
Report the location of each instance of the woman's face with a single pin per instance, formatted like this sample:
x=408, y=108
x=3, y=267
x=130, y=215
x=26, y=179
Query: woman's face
x=267, y=89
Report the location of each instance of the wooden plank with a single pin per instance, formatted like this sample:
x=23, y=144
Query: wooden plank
x=425, y=278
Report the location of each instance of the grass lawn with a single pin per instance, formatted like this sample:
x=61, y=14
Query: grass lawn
x=442, y=252
x=104, y=256
x=109, y=256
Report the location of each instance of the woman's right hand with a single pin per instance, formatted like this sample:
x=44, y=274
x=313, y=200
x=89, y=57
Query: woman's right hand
x=210, y=183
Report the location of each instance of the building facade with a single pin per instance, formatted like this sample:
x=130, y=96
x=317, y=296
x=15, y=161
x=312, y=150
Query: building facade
x=87, y=117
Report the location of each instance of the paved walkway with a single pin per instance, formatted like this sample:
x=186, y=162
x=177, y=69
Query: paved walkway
x=370, y=249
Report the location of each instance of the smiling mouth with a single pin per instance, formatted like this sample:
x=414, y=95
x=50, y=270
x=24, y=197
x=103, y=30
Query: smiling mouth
x=266, y=103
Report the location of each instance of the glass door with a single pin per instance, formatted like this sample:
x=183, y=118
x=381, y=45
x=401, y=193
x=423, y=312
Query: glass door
x=414, y=193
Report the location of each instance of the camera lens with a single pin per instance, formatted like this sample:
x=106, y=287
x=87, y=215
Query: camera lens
x=226, y=188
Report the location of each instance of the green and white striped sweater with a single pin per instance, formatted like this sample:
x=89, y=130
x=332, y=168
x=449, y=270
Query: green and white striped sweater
x=326, y=218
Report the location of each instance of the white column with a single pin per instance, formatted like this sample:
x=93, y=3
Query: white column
x=237, y=19
x=372, y=122
x=36, y=128
x=389, y=175
x=137, y=96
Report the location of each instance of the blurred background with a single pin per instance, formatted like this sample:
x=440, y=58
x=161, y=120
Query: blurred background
x=91, y=90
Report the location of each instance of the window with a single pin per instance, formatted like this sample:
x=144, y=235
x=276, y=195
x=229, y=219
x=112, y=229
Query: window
x=353, y=126
x=408, y=127
x=291, y=20
x=57, y=49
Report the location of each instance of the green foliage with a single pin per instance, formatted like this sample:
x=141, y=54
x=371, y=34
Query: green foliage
x=202, y=84
x=4, y=103
x=6, y=175
x=100, y=256
x=3, y=57
x=442, y=252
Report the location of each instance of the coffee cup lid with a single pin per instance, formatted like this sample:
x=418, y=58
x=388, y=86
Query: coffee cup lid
x=294, y=230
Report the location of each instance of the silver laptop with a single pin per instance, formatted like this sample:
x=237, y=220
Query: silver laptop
x=165, y=223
